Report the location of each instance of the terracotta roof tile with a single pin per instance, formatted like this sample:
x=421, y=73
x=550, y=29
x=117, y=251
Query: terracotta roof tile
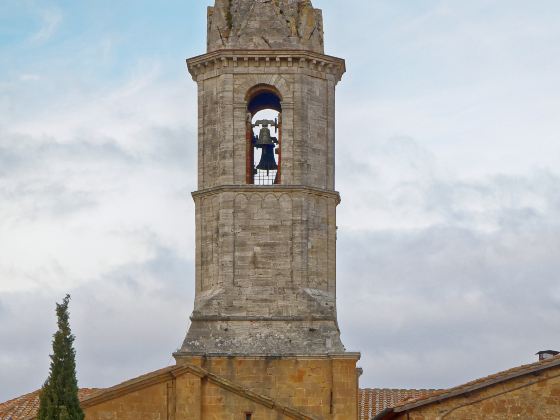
x=21, y=408
x=27, y=405
x=374, y=401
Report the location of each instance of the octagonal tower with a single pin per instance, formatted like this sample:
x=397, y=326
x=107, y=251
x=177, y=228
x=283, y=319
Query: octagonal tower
x=266, y=200
x=265, y=239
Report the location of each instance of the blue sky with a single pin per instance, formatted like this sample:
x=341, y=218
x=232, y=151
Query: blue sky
x=448, y=149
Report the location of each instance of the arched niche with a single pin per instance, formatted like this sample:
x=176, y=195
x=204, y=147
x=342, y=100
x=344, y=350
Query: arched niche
x=264, y=135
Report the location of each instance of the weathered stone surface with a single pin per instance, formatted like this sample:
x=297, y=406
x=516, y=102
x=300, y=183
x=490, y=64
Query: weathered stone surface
x=218, y=388
x=265, y=272
x=321, y=387
x=307, y=91
x=265, y=24
x=265, y=257
x=263, y=337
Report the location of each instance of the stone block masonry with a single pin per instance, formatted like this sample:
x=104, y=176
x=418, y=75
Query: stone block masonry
x=265, y=316
x=265, y=256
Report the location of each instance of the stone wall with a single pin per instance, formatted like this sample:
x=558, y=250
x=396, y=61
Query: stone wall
x=308, y=113
x=271, y=240
x=323, y=388
x=187, y=397
x=265, y=256
x=146, y=403
x=222, y=388
x=265, y=270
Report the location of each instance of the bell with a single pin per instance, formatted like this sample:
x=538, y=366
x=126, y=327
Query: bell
x=268, y=162
x=264, y=138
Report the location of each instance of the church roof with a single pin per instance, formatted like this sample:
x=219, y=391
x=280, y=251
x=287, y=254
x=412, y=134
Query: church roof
x=27, y=405
x=468, y=387
x=371, y=401
x=374, y=401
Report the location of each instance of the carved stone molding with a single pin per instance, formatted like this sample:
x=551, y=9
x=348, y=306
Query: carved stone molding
x=276, y=189
x=233, y=61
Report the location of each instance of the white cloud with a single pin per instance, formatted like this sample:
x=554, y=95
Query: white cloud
x=447, y=304
x=90, y=182
x=29, y=77
x=476, y=84
x=433, y=267
x=95, y=201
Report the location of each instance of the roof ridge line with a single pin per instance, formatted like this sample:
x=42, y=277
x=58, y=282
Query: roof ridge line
x=402, y=389
x=246, y=393
x=480, y=383
x=20, y=397
x=169, y=373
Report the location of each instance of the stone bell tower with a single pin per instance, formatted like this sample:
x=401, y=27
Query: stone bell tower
x=266, y=206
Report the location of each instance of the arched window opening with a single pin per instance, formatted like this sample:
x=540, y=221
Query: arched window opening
x=264, y=136
x=266, y=147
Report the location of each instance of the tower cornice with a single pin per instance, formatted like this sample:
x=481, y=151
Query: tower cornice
x=275, y=189
x=239, y=60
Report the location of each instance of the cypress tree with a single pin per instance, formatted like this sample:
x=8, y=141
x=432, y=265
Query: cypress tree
x=59, y=395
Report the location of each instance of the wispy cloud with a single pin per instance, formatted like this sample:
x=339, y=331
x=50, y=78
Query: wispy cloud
x=29, y=77
x=444, y=289
x=152, y=298
x=51, y=19
x=92, y=157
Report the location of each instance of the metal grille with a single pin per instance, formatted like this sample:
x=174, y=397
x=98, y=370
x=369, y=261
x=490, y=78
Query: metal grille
x=265, y=177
